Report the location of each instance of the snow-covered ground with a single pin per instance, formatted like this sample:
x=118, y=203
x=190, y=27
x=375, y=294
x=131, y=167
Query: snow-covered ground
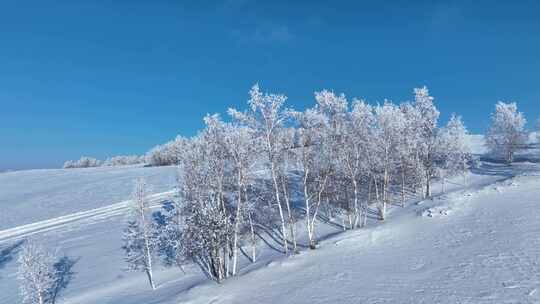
x=35, y=195
x=477, y=243
x=484, y=249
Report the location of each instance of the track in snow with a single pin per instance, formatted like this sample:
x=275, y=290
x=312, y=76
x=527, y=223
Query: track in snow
x=76, y=219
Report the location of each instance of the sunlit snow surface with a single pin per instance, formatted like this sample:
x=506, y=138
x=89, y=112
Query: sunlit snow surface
x=477, y=243
x=35, y=195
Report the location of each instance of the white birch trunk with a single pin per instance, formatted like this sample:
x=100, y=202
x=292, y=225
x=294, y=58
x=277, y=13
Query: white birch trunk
x=356, y=211
x=280, y=209
x=307, y=204
x=253, y=242
x=237, y=224
x=289, y=214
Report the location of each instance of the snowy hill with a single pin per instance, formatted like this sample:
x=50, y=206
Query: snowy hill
x=477, y=243
x=484, y=249
x=35, y=195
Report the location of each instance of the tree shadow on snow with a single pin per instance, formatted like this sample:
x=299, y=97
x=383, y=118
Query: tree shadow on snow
x=8, y=253
x=275, y=236
x=63, y=275
x=497, y=167
x=493, y=167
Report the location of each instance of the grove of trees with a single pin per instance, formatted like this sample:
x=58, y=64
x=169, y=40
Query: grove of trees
x=270, y=168
x=273, y=170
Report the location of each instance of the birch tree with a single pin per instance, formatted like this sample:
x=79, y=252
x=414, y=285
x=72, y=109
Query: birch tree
x=312, y=153
x=427, y=129
x=36, y=273
x=241, y=144
x=506, y=132
x=357, y=152
x=206, y=236
x=410, y=167
x=389, y=123
x=139, y=239
x=267, y=116
x=285, y=165
x=453, y=149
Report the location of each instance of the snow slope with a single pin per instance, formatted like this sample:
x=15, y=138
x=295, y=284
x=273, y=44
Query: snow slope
x=35, y=195
x=477, y=243
x=486, y=249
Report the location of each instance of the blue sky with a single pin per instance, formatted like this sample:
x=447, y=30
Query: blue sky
x=102, y=78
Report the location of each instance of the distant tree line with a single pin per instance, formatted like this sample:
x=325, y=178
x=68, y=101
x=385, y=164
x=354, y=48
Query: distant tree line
x=506, y=135
x=89, y=162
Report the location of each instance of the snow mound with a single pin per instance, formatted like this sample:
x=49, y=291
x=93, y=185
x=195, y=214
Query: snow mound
x=438, y=211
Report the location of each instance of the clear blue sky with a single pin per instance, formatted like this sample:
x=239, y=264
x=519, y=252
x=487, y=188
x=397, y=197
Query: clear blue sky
x=100, y=78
